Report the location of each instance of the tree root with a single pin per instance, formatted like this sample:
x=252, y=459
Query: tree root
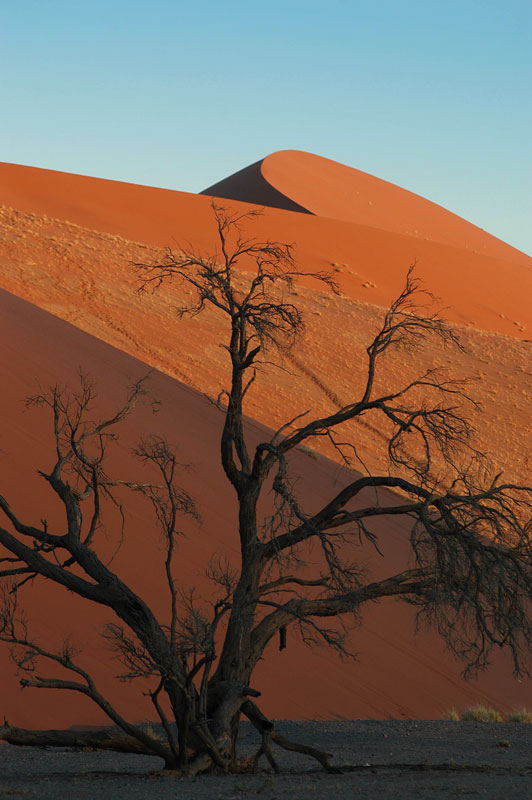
x=267, y=750
x=269, y=734
x=207, y=761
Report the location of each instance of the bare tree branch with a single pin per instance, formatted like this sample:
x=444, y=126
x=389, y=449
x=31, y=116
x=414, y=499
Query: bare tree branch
x=467, y=531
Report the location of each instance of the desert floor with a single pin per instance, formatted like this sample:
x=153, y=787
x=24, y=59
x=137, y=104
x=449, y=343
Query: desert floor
x=395, y=760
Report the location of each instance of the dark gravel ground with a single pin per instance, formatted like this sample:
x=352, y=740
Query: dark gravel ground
x=382, y=760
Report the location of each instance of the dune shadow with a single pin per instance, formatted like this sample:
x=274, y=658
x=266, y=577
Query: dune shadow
x=250, y=186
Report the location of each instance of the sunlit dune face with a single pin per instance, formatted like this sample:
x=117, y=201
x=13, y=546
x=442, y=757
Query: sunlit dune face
x=329, y=189
x=86, y=277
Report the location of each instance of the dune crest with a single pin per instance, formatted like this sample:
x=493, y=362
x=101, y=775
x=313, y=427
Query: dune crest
x=299, y=181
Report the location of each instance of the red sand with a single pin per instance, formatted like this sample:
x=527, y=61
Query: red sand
x=67, y=245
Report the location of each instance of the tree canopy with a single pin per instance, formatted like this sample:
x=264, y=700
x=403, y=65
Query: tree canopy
x=470, y=571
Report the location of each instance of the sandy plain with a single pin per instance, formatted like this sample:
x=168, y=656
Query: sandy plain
x=380, y=759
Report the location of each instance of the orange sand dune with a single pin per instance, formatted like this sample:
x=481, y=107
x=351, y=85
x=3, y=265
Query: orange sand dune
x=490, y=291
x=306, y=182
x=397, y=675
x=85, y=277
x=66, y=245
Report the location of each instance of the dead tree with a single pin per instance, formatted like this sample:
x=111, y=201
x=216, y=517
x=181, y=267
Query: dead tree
x=470, y=535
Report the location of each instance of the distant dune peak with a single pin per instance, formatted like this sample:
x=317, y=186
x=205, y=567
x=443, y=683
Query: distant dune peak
x=298, y=181
x=295, y=180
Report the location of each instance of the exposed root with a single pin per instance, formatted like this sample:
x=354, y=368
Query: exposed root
x=267, y=750
x=269, y=734
x=210, y=760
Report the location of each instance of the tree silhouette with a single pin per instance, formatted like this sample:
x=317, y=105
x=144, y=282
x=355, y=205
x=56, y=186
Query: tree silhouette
x=470, y=533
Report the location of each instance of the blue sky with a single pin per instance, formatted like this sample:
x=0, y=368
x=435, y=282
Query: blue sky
x=435, y=96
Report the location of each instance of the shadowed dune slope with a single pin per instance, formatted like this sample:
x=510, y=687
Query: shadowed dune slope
x=397, y=674
x=250, y=186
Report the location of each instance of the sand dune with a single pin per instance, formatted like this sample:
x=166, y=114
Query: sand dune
x=66, y=246
x=85, y=277
x=489, y=290
x=397, y=675
x=306, y=182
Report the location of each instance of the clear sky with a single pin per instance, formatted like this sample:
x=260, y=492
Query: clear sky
x=435, y=96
